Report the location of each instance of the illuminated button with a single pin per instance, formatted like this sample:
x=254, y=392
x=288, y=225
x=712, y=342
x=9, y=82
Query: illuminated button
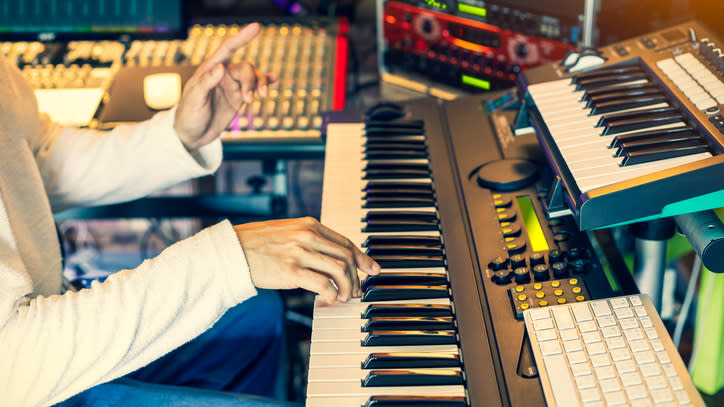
x=517, y=261
x=561, y=237
x=537, y=258
x=522, y=297
x=520, y=288
x=543, y=303
x=498, y=263
x=497, y=196
x=580, y=298
x=515, y=246
x=575, y=253
x=576, y=290
x=501, y=202
x=524, y=306
x=573, y=281
x=537, y=286
x=555, y=222
x=555, y=284
x=577, y=266
x=561, y=300
x=512, y=230
x=540, y=294
x=522, y=275
x=558, y=292
x=505, y=224
x=507, y=216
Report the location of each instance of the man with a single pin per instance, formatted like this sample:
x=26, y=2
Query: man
x=55, y=344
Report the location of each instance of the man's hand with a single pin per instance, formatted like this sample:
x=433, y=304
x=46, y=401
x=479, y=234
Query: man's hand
x=292, y=253
x=216, y=91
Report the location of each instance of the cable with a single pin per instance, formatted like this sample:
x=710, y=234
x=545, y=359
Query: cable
x=688, y=299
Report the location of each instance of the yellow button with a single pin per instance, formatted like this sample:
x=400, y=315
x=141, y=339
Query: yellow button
x=509, y=239
x=573, y=281
x=519, y=288
x=555, y=284
x=576, y=290
x=537, y=286
x=522, y=297
x=580, y=298
x=540, y=294
x=543, y=303
x=558, y=292
x=497, y=196
x=500, y=210
x=524, y=305
x=561, y=300
x=504, y=224
x=497, y=202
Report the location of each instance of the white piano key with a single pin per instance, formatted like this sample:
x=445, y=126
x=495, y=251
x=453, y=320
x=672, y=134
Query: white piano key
x=355, y=389
x=358, y=400
x=355, y=307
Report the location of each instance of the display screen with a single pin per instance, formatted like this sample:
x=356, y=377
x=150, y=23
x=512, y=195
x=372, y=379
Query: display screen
x=473, y=10
x=532, y=225
x=473, y=81
x=55, y=19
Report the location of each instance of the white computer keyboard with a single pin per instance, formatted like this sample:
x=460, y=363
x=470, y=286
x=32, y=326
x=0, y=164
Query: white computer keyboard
x=613, y=352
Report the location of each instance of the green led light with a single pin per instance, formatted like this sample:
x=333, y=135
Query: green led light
x=532, y=225
x=473, y=81
x=436, y=4
x=468, y=9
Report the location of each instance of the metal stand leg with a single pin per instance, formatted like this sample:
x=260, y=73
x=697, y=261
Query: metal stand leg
x=650, y=256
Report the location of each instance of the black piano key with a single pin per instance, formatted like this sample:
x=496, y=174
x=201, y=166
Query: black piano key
x=668, y=151
x=395, y=155
x=392, y=225
x=608, y=80
x=394, y=240
x=409, y=324
x=653, y=142
x=399, y=123
x=640, y=123
x=413, y=377
x=672, y=132
x=610, y=94
x=408, y=261
x=394, y=147
x=378, y=131
x=416, y=401
x=404, y=292
x=411, y=278
x=622, y=87
x=409, y=338
x=627, y=103
x=423, y=216
x=398, y=202
x=407, y=310
x=400, y=193
x=381, y=139
x=395, y=174
x=402, y=360
x=404, y=250
x=637, y=114
x=606, y=71
x=397, y=186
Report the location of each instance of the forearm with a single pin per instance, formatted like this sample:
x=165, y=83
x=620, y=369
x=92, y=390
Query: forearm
x=58, y=346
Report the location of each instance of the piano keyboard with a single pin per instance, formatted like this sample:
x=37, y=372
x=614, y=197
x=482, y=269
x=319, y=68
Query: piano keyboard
x=398, y=344
x=649, y=119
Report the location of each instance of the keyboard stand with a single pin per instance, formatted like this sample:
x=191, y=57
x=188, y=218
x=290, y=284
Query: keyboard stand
x=651, y=238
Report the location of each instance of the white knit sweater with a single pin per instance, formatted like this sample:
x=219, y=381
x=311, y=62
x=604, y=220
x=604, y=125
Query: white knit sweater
x=54, y=345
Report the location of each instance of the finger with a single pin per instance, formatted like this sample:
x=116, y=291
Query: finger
x=363, y=261
x=245, y=74
x=318, y=283
x=230, y=45
x=231, y=90
x=330, y=248
x=335, y=269
x=261, y=83
x=198, y=90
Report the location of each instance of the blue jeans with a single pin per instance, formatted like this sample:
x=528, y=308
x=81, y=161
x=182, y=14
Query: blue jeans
x=234, y=363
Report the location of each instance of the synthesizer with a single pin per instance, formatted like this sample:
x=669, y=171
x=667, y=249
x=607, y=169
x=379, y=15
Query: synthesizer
x=633, y=130
x=450, y=202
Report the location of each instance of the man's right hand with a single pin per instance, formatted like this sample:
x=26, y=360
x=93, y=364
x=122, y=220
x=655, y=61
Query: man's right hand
x=303, y=253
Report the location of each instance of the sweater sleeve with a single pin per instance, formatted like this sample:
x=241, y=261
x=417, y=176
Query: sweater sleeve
x=83, y=167
x=55, y=347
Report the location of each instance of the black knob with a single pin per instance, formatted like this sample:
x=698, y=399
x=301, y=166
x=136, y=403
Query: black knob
x=517, y=261
x=575, y=253
x=577, y=266
x=537, y=258
x=522, y=275
x=540, y=272
x=427, y=26
x=498, y=263
x=502, y=277
x=554, y=256
x=560, y=269
x=521, y=50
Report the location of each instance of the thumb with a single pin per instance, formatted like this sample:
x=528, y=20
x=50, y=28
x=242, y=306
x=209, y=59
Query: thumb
x=207, y=82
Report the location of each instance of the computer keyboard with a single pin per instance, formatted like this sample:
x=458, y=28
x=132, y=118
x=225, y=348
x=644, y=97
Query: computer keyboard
x=613, y=352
